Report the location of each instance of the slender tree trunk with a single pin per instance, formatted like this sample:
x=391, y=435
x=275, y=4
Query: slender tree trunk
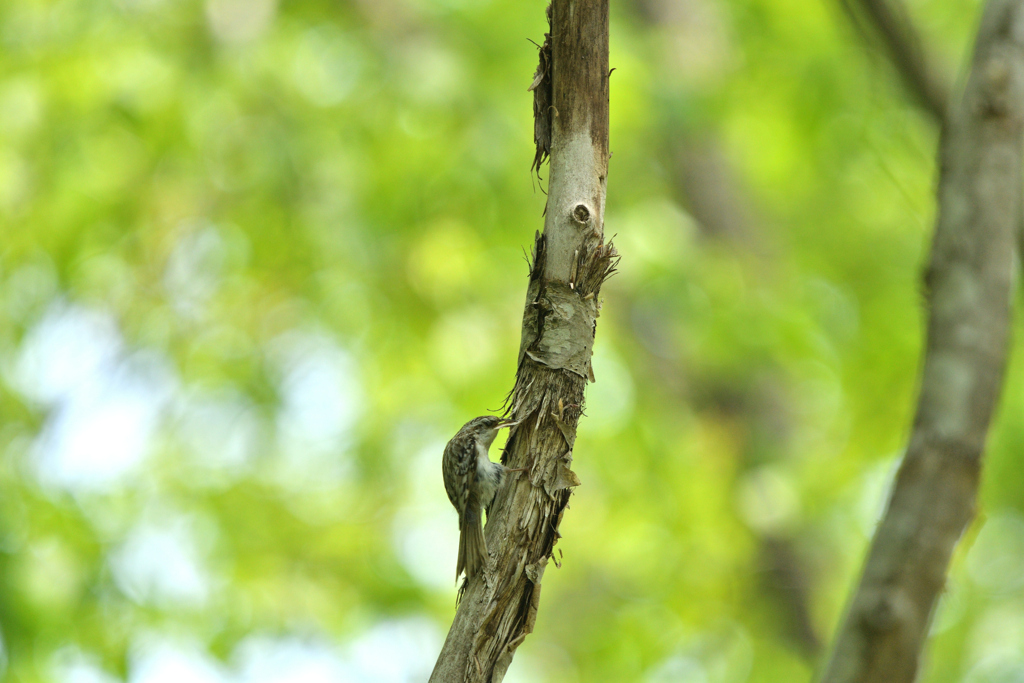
x=570, y=261
x=969, y=285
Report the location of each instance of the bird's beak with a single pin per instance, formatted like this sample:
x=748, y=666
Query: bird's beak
x=507, y=423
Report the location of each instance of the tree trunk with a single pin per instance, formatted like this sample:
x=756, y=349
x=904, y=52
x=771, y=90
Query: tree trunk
x=969, y=285
x=570, y=261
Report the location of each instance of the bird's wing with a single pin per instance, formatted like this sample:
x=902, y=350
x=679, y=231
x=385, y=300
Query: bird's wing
x=460, y=474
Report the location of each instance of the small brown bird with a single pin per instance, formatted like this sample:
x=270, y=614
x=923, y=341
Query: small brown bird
x=471, y=480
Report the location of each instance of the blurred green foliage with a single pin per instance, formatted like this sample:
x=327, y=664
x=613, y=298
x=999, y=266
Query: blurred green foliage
x=259, y=260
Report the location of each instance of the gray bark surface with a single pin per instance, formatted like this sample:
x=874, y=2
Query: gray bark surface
x=570, y=261
x=968, y=287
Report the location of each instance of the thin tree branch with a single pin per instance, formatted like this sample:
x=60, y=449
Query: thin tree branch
x=570, y=262
x=929, y=86
x=917, y=68
x=969, y=286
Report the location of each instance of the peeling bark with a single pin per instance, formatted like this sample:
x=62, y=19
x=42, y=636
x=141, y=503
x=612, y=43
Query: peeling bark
x=969, y=284
x=570, y=262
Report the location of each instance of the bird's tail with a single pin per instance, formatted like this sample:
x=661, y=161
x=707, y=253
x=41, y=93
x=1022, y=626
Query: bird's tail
x=472, y=547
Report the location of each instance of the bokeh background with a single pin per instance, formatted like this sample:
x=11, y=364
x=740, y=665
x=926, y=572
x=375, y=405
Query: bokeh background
x=259, y=260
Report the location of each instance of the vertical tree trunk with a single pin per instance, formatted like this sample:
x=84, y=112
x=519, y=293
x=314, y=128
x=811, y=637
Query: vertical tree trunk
x=969, y=284
x=570, y=261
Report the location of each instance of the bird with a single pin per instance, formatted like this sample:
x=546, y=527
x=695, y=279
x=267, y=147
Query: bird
x=471, y=479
